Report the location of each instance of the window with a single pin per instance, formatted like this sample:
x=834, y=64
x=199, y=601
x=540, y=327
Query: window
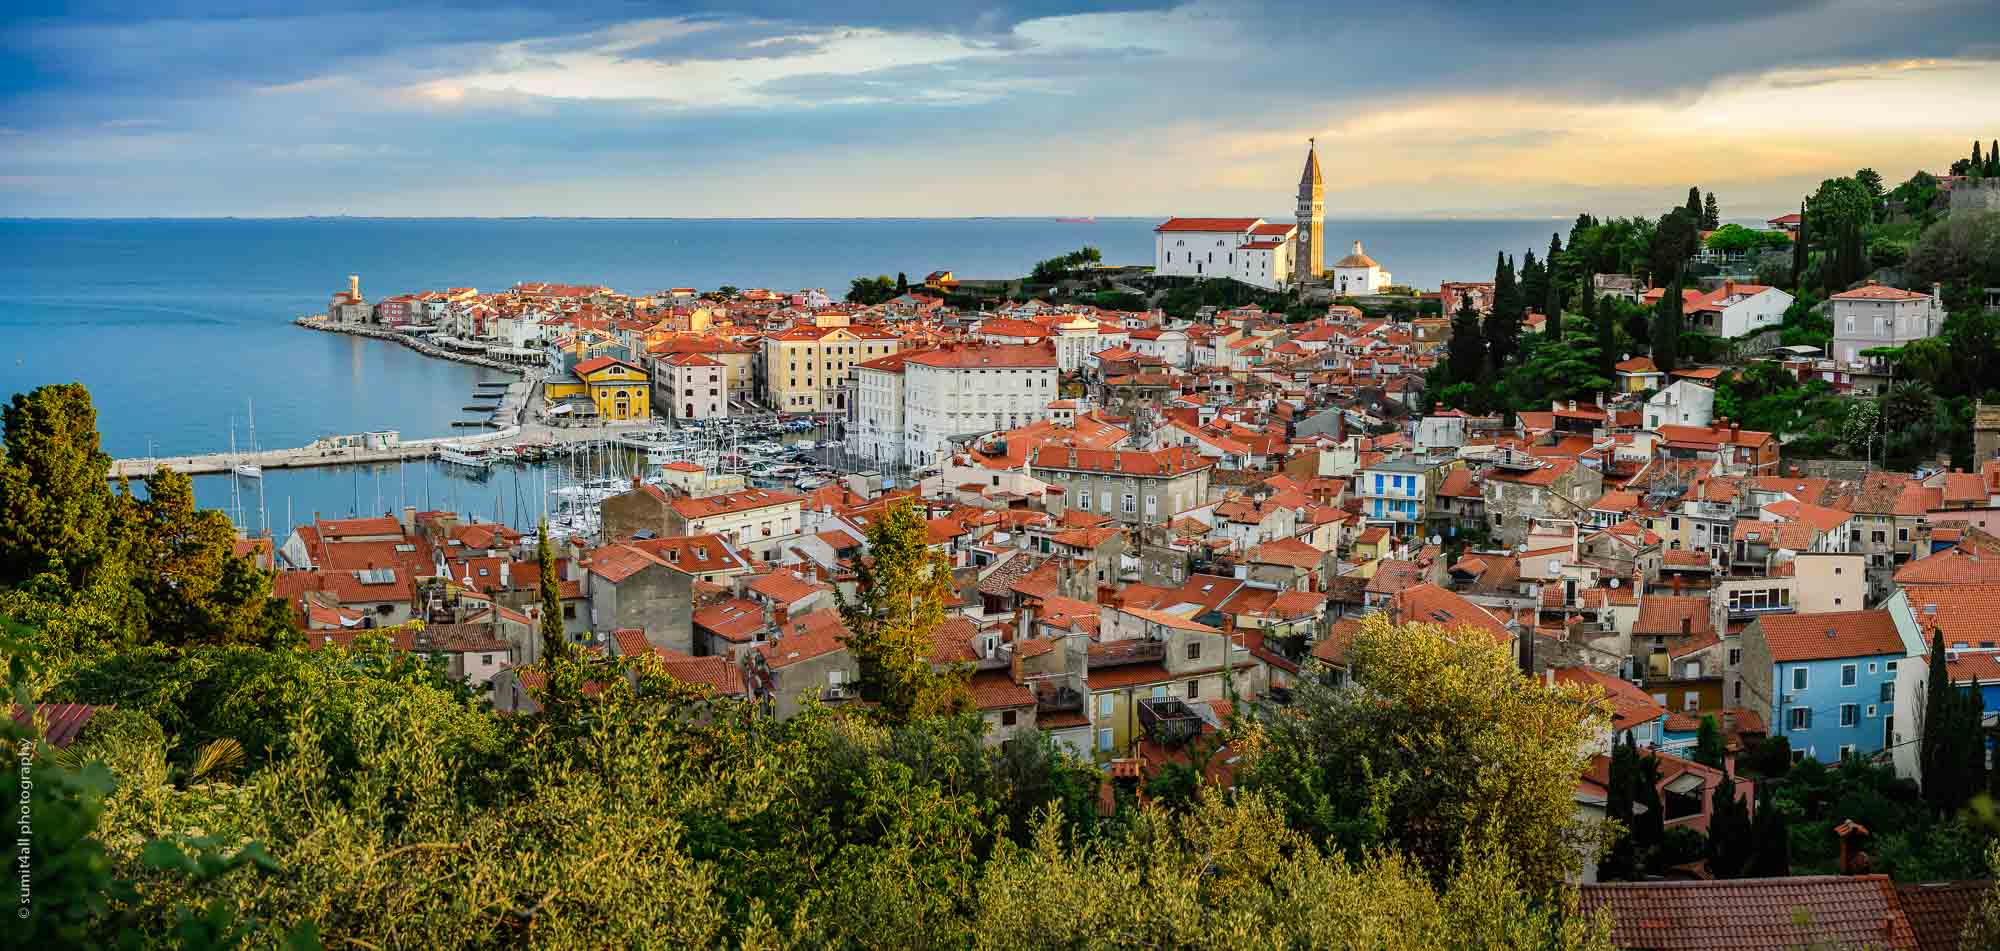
x=1801, y=718
x=1846, y=752
x=1194, y=650
x=1888, y=692
x=1193, y=689
x=1889, y=666
x=1798, y=678
x=1104, y=740
x=569, y=612
x=1128, y=504
x=1007, y=717
x=1083, y=501
x=1152, y=505
x=1850, y=714
x=1871, y=711
x=1104, y=701
x=1847, y=675
x=1871, y=666
x=1735, y=656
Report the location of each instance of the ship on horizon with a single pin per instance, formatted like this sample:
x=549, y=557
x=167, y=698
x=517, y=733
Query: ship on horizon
x=1084, y=220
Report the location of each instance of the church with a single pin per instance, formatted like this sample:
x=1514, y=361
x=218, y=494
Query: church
x=1270, y=255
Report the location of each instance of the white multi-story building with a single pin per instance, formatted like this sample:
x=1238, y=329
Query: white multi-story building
x=1250, y=250
x=875, y=410
x=1877, y=315
x=1169, y=345
x=967, y=390
x=691, y=386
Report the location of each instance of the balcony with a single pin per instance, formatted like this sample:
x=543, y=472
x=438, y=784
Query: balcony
x=1743, y=612
x=1169, y=721
x=1052, y=699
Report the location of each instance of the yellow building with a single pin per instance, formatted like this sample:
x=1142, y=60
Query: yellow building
x=805, y=368
x=616, y=389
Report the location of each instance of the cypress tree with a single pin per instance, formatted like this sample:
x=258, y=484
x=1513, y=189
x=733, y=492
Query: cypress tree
x=1503, y=323
x=1978, y=164
x=1799, y=253
x=1620, y=864
x=1771, y=841
x=1993, y=158
x=1708, y=748
x=555, y=646
x=1728, y=830
x=1711, y=213
x=1649, y=814
x=1667, y=327
x=1534, y=282
x=1694, y=204
x=1467, y=354
x=1599, y=317
x=902, y=283
x=1934, y=759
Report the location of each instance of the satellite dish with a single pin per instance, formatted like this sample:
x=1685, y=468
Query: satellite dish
x=1521, y=548
x=1614, y=582
x=1437, y=540
x=1555, y=566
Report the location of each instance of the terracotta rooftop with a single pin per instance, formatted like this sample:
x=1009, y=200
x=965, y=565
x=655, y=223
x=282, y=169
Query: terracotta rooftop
x=1830, y=635
x=1755, y=913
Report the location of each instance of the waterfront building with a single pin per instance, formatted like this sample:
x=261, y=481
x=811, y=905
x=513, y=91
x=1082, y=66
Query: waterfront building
x=693, y=387
x=348, y=306
x=1265, y=254
x=875, y=415
x=961, y=390
x=610, y=388
x=805, y=367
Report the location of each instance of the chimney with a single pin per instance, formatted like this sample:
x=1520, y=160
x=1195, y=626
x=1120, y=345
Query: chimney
x=506, y=574
x=409, y=519
x=1687, y=623
x=1852, y=860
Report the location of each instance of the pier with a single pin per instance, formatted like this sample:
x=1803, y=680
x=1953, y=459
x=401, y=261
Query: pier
x=339, y=452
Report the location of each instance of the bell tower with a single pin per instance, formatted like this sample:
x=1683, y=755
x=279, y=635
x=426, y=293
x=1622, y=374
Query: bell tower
x=1311, y=262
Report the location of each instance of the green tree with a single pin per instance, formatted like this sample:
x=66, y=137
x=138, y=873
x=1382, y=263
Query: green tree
x=902, y=590
x=1801, y=255
x=1838, y=202
x=194, y=586
x=1711, y=213
x=1534, y=283
x=1729, y=832
x=1502, y=330
x=1467, y=354
x=902, y=283
x=1391, y=761
x=1708, y=747
x=1667, y=327
x=1649, y=814
x=1770, y=841
x=555, y=643
x=1871, y=182
x=58, y=515
x=1674, y=240
x=1603, y=324
x=1622, y=862
x=1938, y=744
x=1693, y=206
x=869, y=291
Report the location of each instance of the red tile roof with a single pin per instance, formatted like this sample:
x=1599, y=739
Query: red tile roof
x=1629, y=705
x=1938, y=910
x=1216, y=225
x=1663, y=614
x=1430, y=604
x=732, y=502
x=1879, y=292
x=1830, y=635
x=1755, y=913
x=996, y=690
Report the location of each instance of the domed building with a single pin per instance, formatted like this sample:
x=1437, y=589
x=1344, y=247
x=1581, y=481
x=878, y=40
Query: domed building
x=1357, y=273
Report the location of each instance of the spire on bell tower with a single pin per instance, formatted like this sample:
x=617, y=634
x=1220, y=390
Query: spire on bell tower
x=1311, y=261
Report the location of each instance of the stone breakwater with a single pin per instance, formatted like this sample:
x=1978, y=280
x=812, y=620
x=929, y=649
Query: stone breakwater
x=321, y=323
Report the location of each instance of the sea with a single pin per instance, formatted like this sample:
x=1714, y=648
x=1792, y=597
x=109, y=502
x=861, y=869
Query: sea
x=182, y=328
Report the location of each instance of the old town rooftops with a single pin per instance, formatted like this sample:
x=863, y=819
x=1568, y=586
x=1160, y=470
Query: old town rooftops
x=732, y=502
x=1172, y=461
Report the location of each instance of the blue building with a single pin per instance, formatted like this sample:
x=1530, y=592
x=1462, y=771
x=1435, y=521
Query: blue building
x=1825, y=682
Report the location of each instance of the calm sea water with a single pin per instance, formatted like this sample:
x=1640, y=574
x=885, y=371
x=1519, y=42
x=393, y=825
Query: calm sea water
x=178, y=325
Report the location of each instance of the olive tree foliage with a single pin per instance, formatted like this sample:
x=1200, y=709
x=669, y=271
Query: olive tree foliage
x=1442, y=749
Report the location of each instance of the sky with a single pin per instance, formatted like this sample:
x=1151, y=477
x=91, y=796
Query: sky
x=941, y=108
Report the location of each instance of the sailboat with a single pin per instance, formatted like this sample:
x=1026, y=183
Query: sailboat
x=251, y=470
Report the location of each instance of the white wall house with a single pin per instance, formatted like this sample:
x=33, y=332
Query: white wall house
x=1734, y=309
x=691, y=387
x=1357, y=273
x=1876, y=315
x=1250, y=250
x=1684, y=403
x=1169, y=345
x=876, y=410
x=968, y=390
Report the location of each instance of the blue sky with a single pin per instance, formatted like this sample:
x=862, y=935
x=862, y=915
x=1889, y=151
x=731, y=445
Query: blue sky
x=948, y=108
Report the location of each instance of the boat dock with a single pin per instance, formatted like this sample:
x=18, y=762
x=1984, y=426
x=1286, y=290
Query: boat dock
x=370, y=448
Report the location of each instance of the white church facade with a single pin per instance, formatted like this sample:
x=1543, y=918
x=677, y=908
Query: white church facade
x=1250, y=250
x=1266, y=254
